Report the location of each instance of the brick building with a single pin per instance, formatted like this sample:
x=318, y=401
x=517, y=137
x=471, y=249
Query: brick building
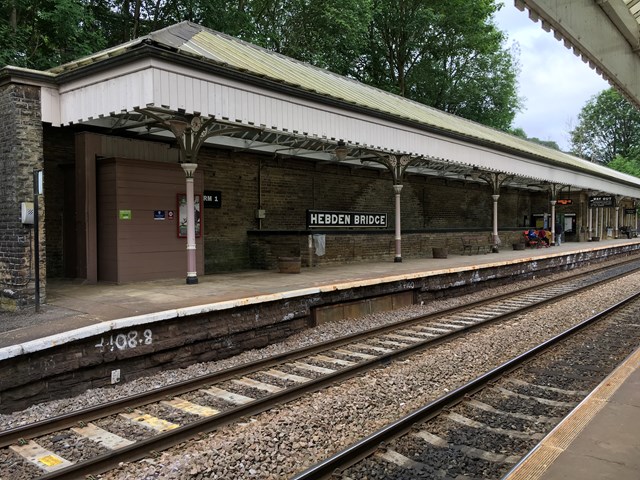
x=191, y=151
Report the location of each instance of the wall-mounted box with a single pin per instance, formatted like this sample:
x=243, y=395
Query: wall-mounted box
x=26, y=213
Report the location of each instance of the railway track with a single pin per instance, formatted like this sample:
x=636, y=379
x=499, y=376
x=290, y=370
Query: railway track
x=99, y=438
x=483, y=428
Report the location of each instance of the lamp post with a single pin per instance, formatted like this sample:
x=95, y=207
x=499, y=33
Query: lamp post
x=192, y=275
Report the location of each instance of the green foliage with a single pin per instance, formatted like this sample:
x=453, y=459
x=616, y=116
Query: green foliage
x=453, y=61
x=42, y=33
x=608, y=126
x=519, y=132
x=326, y=33
x=456, y=63
x=546, y=143
x=630, y=164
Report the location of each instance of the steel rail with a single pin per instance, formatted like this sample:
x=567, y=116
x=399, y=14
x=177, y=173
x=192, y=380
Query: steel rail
x=168, y=439
x=11, y=436
x=368, y=445
x=162, y=441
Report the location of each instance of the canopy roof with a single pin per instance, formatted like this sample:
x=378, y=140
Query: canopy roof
x=293, y=108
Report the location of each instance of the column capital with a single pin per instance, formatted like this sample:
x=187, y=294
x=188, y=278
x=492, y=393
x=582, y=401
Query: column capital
x=189, y=169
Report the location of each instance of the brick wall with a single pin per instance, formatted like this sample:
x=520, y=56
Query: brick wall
x=435, y=211
x=58, y=161
x=20, y=154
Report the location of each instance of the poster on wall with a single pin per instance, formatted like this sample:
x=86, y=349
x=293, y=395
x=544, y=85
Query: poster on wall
x=182, y=214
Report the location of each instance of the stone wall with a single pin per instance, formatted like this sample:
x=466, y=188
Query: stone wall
x=435, y=211
x=20, y=154
x=362, y=246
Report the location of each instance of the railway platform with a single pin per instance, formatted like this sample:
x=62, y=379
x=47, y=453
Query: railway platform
x=89, y=336
x=73, y=306
x=599, y=440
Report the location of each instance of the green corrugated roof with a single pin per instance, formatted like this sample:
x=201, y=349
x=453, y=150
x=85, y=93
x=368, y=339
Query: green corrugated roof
x=218, y=48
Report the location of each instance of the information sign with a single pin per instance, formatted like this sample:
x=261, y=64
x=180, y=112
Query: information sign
x=601, y=201
x=212, y=199
x=331, y=219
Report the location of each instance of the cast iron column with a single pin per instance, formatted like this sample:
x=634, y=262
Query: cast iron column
x=553, y=222
x=496, y=237
x=398, y=258
x=495, y=181
x=192, y=275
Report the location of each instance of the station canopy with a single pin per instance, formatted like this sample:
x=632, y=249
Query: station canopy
x=255, y=100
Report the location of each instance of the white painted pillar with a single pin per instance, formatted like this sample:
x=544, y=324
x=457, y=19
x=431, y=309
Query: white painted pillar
x=398, y=234
x=553, y=222
x=617, y=224
x=496, y=237
x=192, y=275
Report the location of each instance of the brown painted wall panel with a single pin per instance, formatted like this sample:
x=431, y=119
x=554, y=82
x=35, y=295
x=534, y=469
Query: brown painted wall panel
x=107, y=233
x=142, y=248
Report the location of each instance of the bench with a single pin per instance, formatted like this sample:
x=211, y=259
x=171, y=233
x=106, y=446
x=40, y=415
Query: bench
x=629, y=232
x=476, y=244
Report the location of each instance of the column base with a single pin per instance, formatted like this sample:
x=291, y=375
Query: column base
x=192, y=280
x=397, y=260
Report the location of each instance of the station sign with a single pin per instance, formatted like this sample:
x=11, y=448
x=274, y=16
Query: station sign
x=601, y=201
x=331, y=219
x=212, y=199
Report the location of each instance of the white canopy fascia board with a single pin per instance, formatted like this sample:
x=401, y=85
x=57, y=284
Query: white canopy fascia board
x=156, y=82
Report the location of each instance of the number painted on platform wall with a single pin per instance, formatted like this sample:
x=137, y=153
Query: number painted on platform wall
x=122, y=341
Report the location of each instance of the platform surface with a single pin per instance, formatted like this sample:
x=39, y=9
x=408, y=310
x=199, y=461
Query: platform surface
x=71, y=305
x=599, y=440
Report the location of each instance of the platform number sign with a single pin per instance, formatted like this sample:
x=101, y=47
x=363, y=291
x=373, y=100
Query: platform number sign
x=212, y=199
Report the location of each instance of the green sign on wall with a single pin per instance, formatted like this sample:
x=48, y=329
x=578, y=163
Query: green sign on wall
x=125, y=214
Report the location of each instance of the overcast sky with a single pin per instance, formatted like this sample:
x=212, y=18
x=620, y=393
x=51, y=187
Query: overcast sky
x=553, y=82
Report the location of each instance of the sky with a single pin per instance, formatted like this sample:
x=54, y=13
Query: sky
x=553, y=83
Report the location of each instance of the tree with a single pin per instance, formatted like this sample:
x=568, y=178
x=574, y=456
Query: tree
x=42, y=33
x=456, y=63
x=326, y=33
x=608, y=126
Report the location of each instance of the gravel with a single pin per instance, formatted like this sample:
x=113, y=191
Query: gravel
x=288, y=439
